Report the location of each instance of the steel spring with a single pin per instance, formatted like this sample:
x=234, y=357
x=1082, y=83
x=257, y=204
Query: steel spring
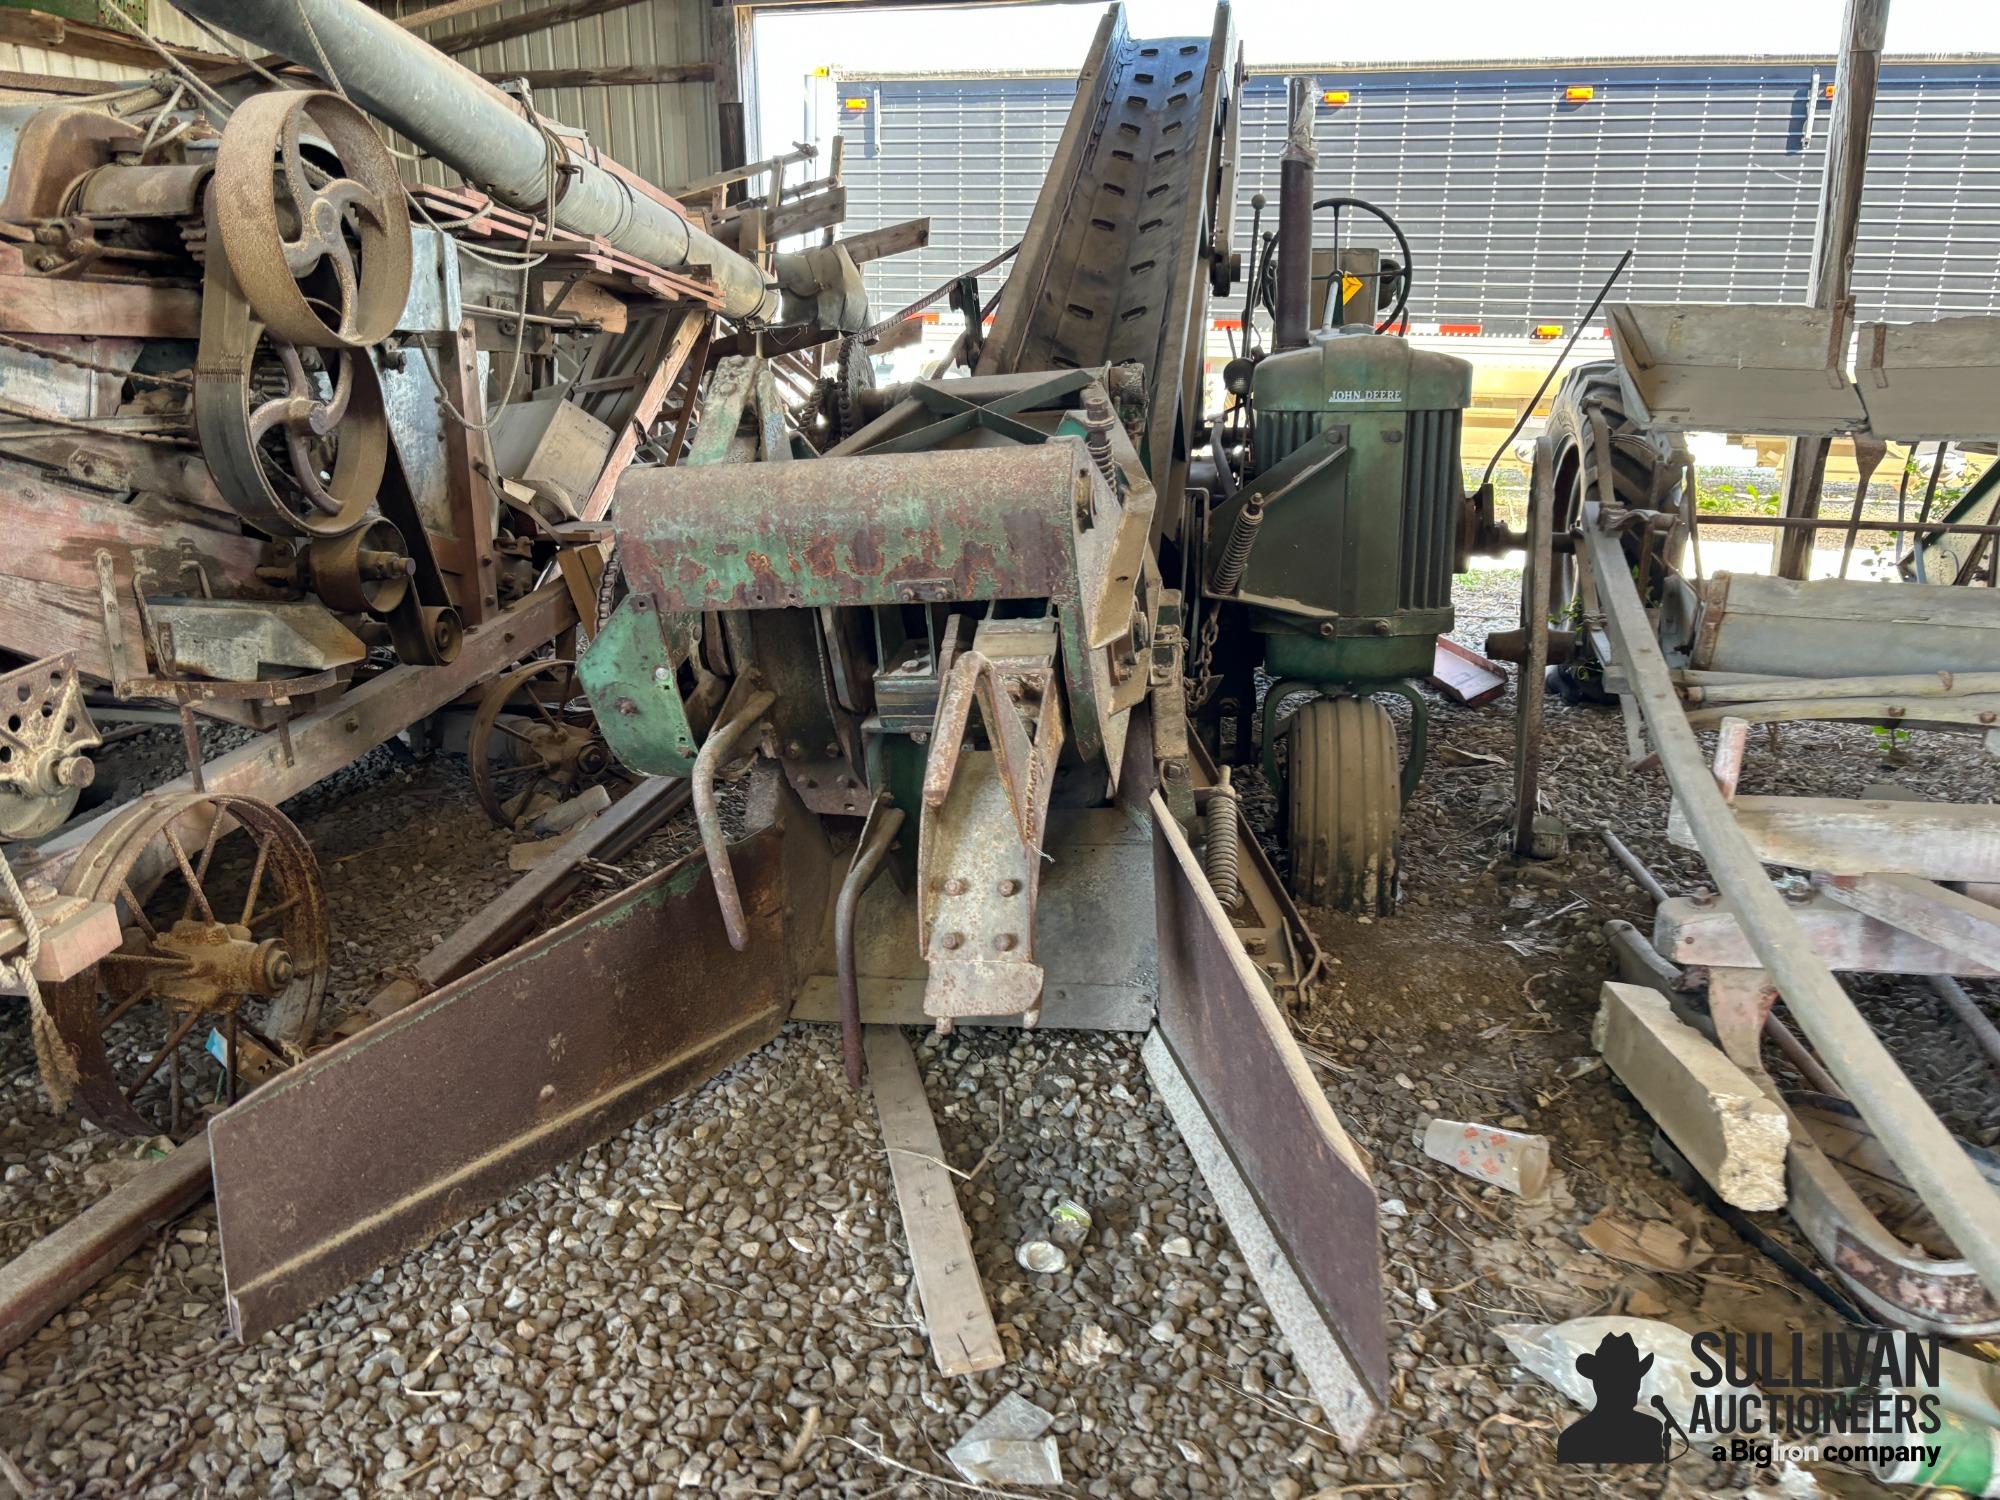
x=1223, y=855
x=1236, y=552
x=1097, y=420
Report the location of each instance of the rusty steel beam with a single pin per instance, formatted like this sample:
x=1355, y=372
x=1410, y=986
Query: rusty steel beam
x=54, y=1271
x=493, y=1080
x=1291, y=1184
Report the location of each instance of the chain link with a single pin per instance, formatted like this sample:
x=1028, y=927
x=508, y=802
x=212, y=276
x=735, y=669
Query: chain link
x=57, y=356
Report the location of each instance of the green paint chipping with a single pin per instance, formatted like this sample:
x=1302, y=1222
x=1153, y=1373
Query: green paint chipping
x=629, y=674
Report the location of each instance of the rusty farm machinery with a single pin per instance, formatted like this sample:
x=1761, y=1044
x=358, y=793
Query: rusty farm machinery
x=292, y=448
x=1616, y=604
x=981, y=654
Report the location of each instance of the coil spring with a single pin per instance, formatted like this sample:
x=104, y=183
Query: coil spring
x=1236, y=551
x=1097, y=420
x=1222, y=857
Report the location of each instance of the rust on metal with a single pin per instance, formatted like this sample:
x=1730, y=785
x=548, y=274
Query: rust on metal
x=190, y=955
x=1234, y=1047
x=492, y=1080
x=965, y=524
x=1946, y=1295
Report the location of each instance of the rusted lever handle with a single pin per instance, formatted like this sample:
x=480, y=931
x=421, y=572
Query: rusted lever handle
x=716, y=752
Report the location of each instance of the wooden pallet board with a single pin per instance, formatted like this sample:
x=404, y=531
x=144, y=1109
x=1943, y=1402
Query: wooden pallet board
x=963, y=1338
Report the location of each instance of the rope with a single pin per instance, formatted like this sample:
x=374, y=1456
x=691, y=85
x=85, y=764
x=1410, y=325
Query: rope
x=58, y=1068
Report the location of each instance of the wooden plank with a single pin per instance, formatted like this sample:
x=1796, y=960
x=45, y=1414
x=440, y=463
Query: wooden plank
x=1923, y=380
x=796, y=216
x=891, y=239
x=35, y=28
x=75, y=934
x=1939, y=840
x=1838, y=221
x=49, y=600
x=1464, y=676
x=38, y=304
x=1779, y=627
x=527, y=23
x=1948, y=1182
x=1081, y=1005
x=595, y=78
x=1978, y=710
x=1951, y=919
x=1711, y=367
x=55, y=83
x=1710, y=934
x=963, y=1339
x=693, y=326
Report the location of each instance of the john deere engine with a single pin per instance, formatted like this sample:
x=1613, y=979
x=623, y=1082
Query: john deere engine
x=1329, y=552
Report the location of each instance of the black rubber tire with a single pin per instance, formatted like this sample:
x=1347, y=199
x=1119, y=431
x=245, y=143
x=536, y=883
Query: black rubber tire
x=1647, y=469
x=1345, y=805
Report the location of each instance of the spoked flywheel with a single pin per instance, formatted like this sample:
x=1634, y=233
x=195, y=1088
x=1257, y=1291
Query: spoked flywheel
x=225, y=944
x=1344, y=794
x=534, y=744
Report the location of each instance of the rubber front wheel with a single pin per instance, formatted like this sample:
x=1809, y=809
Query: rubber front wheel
x=1346, y=806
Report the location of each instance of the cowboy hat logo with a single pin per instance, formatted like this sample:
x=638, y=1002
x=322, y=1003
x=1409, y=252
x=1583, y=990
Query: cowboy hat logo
x=1612, y=1431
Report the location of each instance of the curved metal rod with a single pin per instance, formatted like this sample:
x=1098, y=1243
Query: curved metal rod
x=716, y=752
x=882, y=831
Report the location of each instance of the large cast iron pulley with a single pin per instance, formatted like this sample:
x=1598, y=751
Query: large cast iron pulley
x=317, y=238
x=315, y=268
x=1400, y=278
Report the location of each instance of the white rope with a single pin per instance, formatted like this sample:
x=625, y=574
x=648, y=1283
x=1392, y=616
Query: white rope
x=58, y=1068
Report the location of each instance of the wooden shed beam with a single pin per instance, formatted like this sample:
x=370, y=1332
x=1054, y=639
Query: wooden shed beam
x=590, y=78
x=451, y=10
x=539, y=18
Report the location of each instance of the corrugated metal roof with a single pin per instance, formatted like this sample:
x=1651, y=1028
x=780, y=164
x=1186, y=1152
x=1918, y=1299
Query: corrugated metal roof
x=665, y=132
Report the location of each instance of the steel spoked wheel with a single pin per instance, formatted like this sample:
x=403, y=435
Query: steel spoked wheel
x=1344, y=794
x=534, y=743
x=225, y=946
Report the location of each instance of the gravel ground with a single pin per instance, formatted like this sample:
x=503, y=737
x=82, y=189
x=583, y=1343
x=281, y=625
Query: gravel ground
x=718, y=1299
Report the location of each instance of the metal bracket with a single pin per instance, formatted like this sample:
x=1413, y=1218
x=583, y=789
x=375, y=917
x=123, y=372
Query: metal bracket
x=980, y=850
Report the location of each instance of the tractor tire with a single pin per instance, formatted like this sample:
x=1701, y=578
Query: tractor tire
x=1648, y=471
x=1344, y=794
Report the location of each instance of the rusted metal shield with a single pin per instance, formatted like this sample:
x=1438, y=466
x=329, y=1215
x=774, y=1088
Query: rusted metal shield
x=383, y=1142
x=1316, y=1253
x=907, y=528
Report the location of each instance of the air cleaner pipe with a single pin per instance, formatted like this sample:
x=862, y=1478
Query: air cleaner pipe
x=1295, y=215
x=479, y=132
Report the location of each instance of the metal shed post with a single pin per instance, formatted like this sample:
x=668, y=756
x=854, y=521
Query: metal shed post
x=1833, y=250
